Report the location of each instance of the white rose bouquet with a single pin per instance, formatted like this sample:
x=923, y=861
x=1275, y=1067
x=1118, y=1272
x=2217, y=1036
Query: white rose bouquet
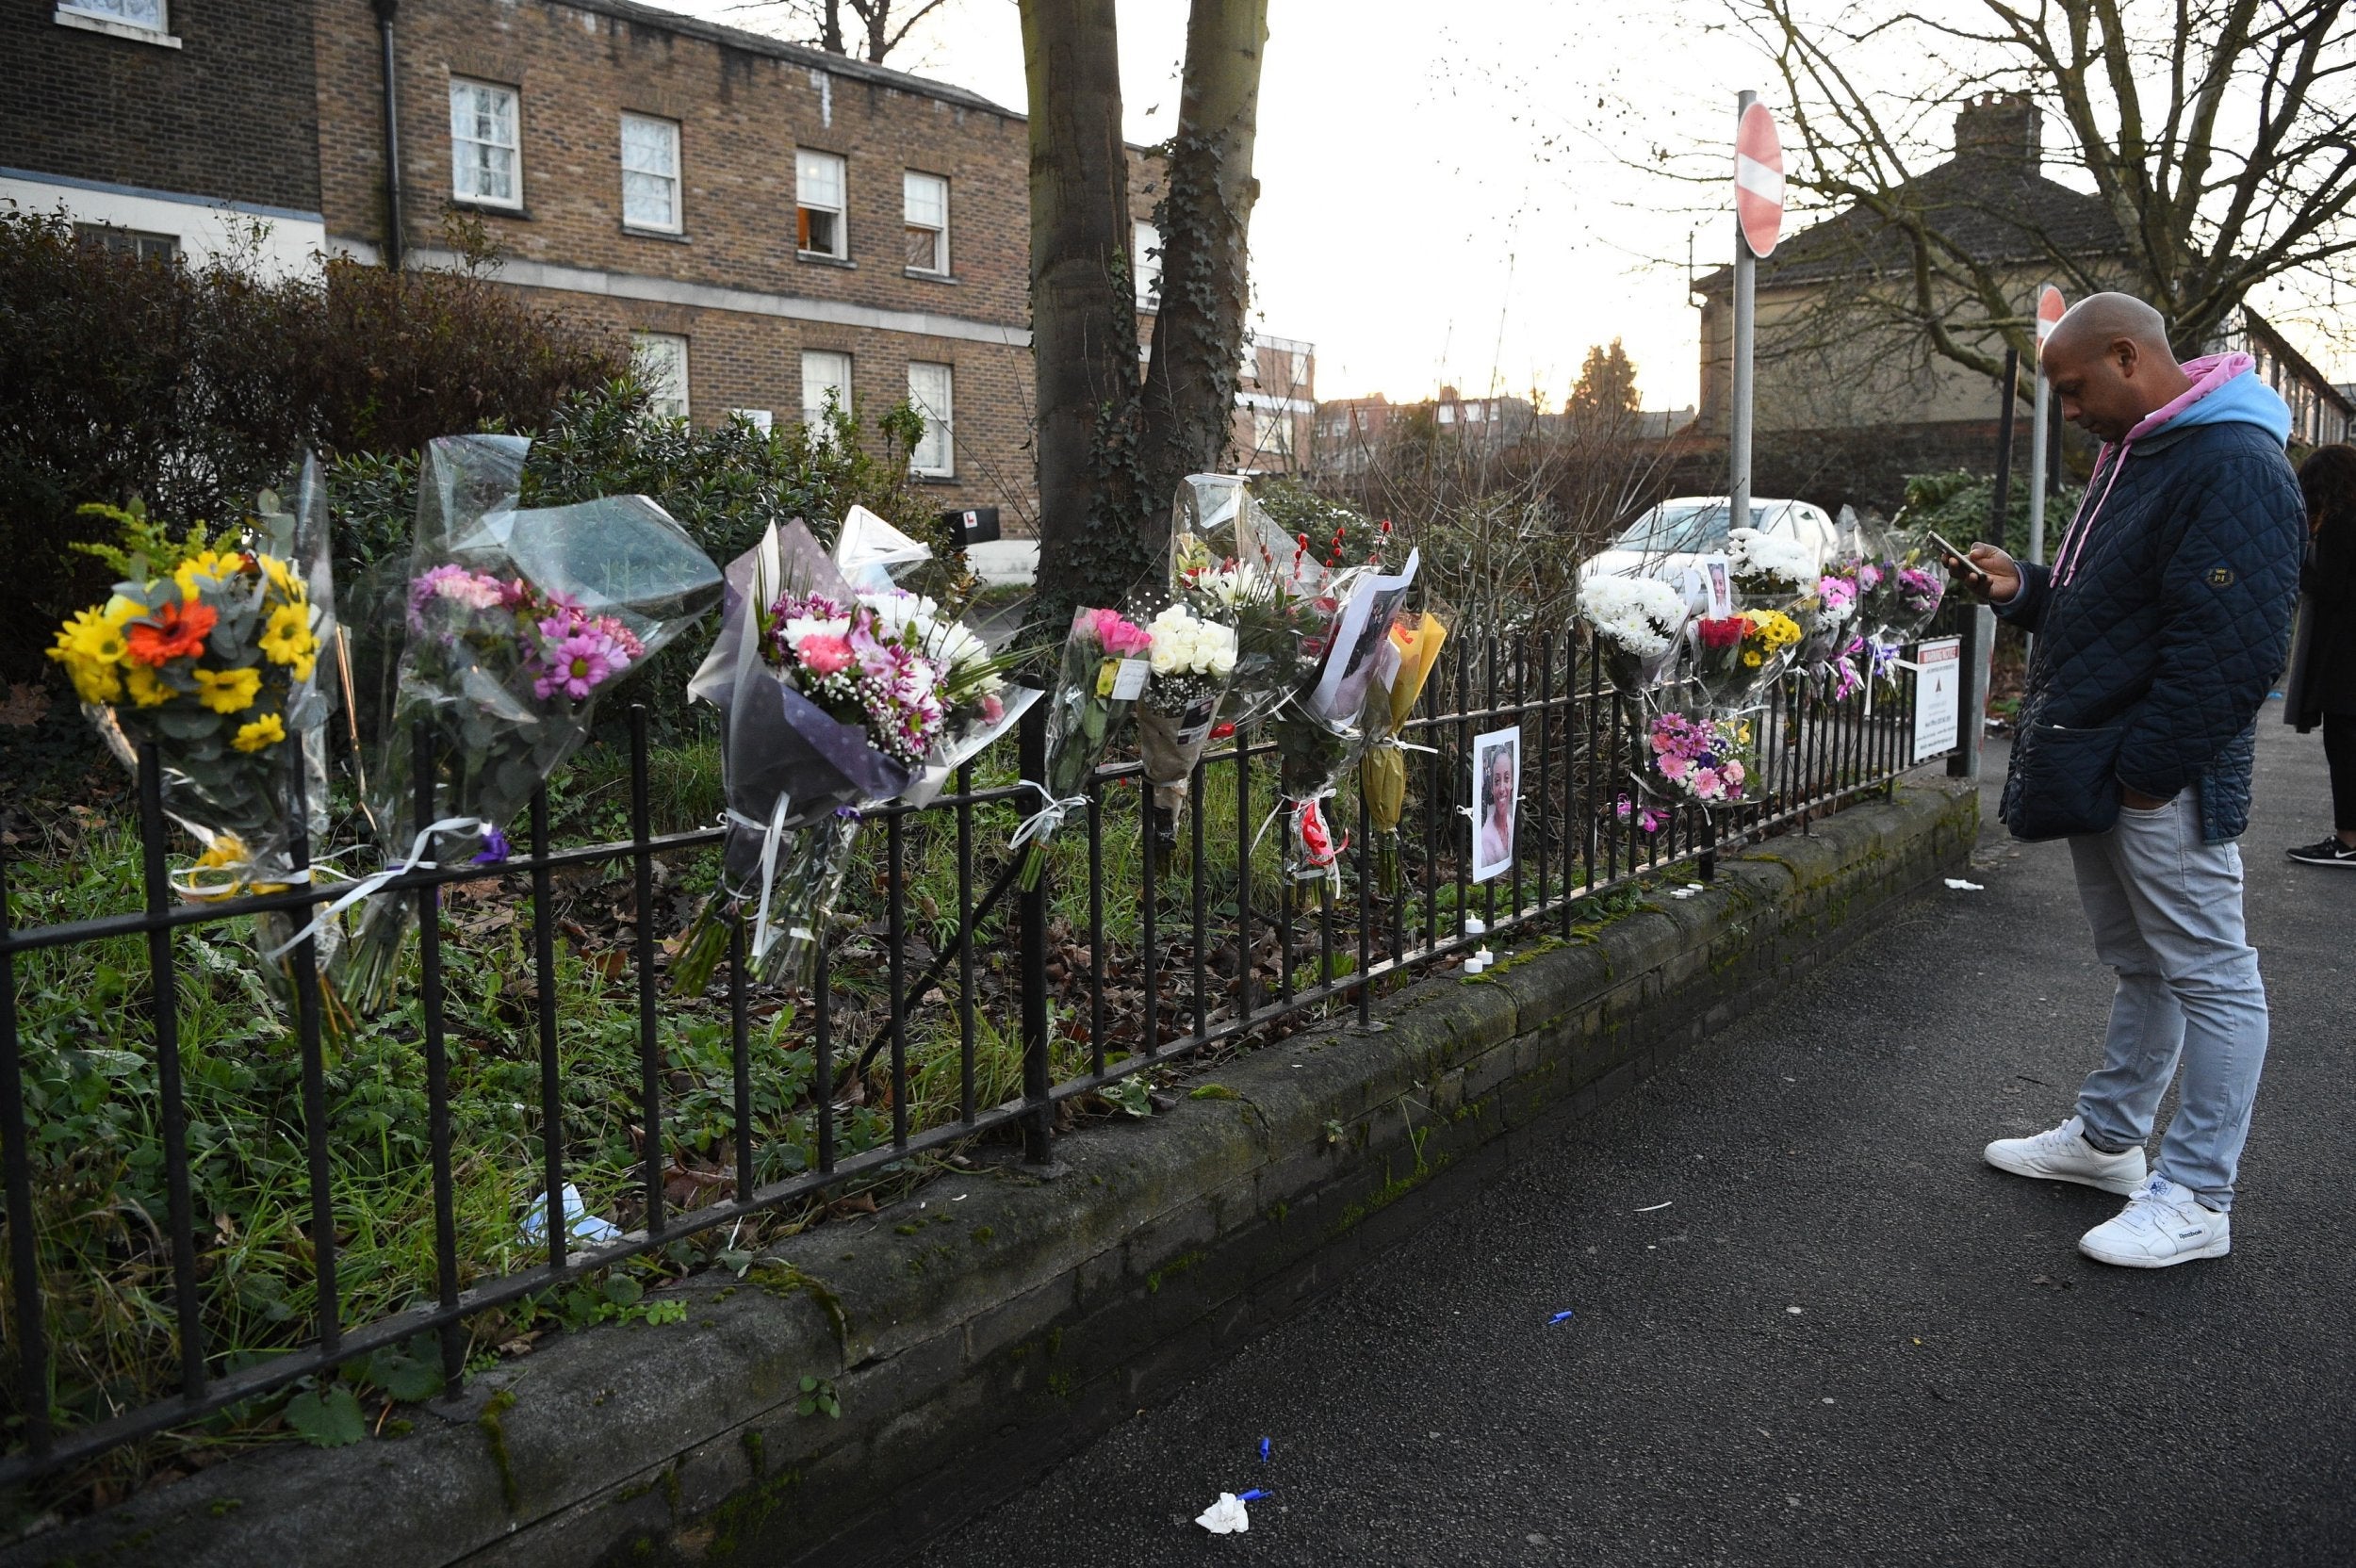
x=1636, y=622
x=1194, y=659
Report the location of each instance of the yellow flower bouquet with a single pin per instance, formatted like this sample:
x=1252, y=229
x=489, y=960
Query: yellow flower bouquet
x=1416, y=639
x=208, y=653
x=1739, y=654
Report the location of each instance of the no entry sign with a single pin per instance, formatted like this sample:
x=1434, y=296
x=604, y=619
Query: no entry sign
x=2050, y=306
x=1759, y=180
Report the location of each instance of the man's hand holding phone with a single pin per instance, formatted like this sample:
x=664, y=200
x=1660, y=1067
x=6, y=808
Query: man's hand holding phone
x=1987, y=572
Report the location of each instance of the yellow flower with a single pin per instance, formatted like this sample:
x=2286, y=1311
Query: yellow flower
x=1751, y=658
x=301, y=665
x=1106, y=673
x=287, y=637
x=147, y=687
x=210, y=565
x=267, y=730
x=227, y=691
x=1742, y=734
x=89, y=646
x=283, y=578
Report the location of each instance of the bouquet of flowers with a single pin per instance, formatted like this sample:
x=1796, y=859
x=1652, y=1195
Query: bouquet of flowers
x=1769, y=565
x=1104, y=669
x=1735, y=654
x=1901, y=585
x=1323, y=726
x=1193, y=659
x=834, y=700
x=208, y=651
x=1415, y=641
x=1698, y=759
x=1635, y=621
x=1836, y=608
x=518, y=622
x=1230, y=561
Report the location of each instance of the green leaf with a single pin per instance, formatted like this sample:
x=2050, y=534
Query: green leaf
x=327, y=1420
x=410, y=1373
x=623, y=1291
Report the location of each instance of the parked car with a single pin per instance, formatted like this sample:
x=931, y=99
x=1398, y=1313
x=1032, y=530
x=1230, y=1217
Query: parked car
x=1667, y=539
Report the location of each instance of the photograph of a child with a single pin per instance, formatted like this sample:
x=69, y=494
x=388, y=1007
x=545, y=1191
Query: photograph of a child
x=1496, y=783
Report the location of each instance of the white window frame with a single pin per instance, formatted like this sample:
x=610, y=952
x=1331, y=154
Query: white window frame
x=515, y=149
x=937, y=225
x=761, y=419
x=99, y=16
x=1272, y=434
x=672, y=176
x=806, y=161
x=663, y=345
x=940, y=441
x=1145, y=263
x=817, y=367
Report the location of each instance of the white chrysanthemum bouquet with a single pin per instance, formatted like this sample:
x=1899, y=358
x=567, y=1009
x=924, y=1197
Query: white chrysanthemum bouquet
x=1194, y=659
x=1636, y=622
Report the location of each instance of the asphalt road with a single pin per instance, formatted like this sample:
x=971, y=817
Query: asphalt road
x=1956, y=1384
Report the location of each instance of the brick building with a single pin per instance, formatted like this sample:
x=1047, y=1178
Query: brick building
x=772, y=225
x=173, y=127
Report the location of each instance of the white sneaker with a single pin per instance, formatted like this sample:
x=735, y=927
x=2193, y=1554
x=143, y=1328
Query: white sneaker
x=2163, y=1224
x=2063, y=1155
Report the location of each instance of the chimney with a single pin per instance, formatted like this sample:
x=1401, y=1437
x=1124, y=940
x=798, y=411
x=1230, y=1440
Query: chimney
x=2006, y=127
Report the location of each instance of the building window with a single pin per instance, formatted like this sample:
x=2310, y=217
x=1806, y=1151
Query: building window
x=825, y=379
x=1145, y=263
x=932, y=389
x=146, y=15
x=658, y=359
x=818, y=191
x=760, y=418
x=486, y=160
x=1271, y=433
x=925, y=204
x=130, y=242
x=650, y=174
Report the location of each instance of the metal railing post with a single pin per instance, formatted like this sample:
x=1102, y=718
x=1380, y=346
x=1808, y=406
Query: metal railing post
x=1031, y=917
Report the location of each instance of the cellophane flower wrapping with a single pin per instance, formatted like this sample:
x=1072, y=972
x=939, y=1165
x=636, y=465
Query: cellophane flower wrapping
x=1416, y=636
x=1193, y=659
x=1105, y=665
x=1635, y=622
x=1734, y=657
x=1323, y=727
x=518, y=622
x=1902, y=585
x=1835, y=619
x=1231, y=562
x=1699, y=759
x=838, y=693
x=215, y=652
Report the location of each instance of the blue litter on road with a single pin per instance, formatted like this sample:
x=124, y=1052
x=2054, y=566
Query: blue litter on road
x=1263, y=1450
x=1251, y=1496
x=1560, y=1316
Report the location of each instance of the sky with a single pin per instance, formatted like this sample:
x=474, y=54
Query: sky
x=1451, y=194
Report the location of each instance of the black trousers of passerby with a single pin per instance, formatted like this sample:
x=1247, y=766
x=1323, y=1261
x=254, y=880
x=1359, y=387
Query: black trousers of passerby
x=2339, y=751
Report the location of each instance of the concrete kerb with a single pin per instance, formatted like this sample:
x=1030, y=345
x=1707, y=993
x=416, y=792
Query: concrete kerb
x=993, y=1321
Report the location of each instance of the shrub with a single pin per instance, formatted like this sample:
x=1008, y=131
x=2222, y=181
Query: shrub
x=193, y=387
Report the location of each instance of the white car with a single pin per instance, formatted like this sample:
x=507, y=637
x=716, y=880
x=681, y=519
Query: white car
x=1667, y=539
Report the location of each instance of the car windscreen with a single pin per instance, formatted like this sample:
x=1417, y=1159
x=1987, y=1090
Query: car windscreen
x=1678, y=529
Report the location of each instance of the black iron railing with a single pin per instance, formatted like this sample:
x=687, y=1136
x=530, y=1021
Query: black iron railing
x=1205, y=912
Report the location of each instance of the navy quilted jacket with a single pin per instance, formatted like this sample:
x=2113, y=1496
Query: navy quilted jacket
x=2167, y=612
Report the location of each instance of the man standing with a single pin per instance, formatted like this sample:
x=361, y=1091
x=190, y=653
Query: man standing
x=2159, y=625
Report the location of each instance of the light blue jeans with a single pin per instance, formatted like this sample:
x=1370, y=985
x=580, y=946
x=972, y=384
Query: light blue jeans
x=2167, y=913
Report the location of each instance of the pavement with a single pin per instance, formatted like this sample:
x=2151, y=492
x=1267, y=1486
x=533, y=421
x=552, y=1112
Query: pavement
x=1811, y=1326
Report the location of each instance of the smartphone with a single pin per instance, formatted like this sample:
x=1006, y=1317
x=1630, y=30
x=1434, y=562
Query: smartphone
x=1959, y=555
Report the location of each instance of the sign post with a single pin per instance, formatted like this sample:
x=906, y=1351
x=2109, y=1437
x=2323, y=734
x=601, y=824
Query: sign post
x=2049, y=315
x=1759, y=220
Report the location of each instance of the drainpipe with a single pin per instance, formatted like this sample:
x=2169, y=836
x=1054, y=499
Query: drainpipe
x=393, y=230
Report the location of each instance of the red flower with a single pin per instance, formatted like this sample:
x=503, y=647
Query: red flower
x=1721, y=634
x=179, y=631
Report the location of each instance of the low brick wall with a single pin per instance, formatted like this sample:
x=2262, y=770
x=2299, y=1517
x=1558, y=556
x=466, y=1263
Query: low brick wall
x=997, y=1320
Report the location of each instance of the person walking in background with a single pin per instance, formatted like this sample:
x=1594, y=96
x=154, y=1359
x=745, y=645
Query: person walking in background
x=2322, y=687
x=2160, y=627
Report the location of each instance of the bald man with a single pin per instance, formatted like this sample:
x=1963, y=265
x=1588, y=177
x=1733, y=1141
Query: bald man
x=2162, y=620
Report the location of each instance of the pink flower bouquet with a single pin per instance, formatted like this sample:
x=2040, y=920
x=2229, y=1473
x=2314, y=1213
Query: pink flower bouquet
x=1105, y=665
x=1704, y=760
x=518, y=622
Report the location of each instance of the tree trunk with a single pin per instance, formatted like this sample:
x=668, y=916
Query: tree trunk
x=1206, y=219
x=1084, y=337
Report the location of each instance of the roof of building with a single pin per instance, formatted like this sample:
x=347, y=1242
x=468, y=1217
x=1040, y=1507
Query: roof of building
x=642, y=15
x=1995, y=209
x=2342, y=398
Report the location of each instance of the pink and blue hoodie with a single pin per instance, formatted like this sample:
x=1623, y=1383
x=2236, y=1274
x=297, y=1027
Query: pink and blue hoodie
x=2164, y=615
